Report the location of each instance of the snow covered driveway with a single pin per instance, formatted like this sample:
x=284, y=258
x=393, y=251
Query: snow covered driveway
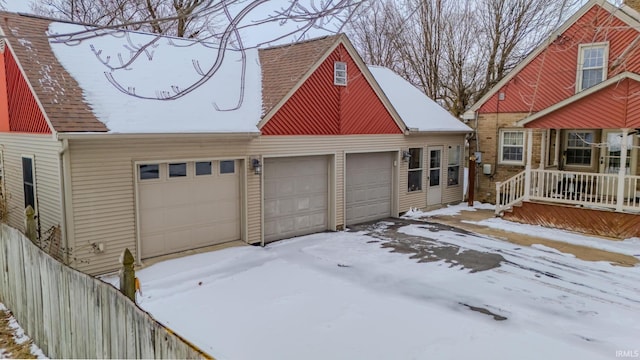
x=375, y=295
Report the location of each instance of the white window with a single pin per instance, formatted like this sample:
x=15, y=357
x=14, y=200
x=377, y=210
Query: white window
x=149, y=171
x=203, y=168
x=592, y=65
x=453, y=171
x=177, y=170
x=578, y=148
x=1, y=177
x=227, y=167
x=340, y=73
x=512, y=147
x=415, y=170
x=29, y=182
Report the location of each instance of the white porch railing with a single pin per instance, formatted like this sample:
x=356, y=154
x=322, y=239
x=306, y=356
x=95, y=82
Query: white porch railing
x=510, y=192
x=592, y=190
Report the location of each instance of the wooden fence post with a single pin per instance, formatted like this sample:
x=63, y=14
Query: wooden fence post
x=127, y=275
x=30, y=228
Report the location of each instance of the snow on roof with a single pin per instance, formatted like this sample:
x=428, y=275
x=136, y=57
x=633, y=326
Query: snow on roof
x=224, y=103
x=416, y=109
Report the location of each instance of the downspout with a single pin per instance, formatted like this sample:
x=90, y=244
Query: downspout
x=477, y=174
x=67, y=230
x=61, y=173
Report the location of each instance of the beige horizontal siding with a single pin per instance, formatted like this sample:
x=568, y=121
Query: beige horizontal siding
x=103, y=180
x=418, y=199
x=47, y=176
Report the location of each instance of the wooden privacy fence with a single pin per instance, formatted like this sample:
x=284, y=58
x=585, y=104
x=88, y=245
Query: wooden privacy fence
x=69, y=314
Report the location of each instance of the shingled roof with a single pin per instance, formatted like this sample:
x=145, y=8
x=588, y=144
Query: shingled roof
x=60, y=95
x=66, y=105
x=284, y=66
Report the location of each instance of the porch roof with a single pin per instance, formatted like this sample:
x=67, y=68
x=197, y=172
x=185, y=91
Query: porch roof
x=612, y=104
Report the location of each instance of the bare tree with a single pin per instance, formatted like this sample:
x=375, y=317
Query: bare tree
x=148, y=15
x=216, y=25
x=455, y=51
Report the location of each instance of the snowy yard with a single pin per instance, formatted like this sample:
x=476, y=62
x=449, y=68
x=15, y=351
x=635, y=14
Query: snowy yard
x=396, y=291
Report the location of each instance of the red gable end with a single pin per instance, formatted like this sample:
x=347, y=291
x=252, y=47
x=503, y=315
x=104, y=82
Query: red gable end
x=612, y=107
x=551, y=76
x=319, y=107
x=23, y=110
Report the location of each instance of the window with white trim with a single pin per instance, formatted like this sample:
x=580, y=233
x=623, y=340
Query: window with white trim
x=592, y=65
x=177, y=170
x=340, y=73
x=149, y=171
x=203, y=168
x=227, y=167
x=2, y=194
x=578, y=148
x=453, y=170
x=29, y=183
x=512, y=147
x=415, y=170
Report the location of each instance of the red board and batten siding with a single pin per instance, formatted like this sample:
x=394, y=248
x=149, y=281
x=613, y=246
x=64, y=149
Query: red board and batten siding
x=319, y=107
x=24, y=114
x=551, y=76
x=618, y=105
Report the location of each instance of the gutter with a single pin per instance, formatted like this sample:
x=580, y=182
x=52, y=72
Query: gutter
x=438, y=132
x=118, y=136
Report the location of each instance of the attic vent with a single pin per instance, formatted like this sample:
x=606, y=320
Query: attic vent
x=340, y=73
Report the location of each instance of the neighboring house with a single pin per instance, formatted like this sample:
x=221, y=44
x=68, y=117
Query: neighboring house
x=279, y=142
x=562, y=128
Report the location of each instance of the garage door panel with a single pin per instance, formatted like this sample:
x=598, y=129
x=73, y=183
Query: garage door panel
x=187, y=213
x=296, y=196
x=368, y=187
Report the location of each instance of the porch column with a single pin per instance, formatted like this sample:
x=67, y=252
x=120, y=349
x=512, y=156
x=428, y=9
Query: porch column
x=556, y=154
x=543, y=149
x=539, y=180
x=527, y=169
x=623, y=170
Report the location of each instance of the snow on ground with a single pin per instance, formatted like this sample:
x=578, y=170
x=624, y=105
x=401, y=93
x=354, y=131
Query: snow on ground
x=14, y=330
x=448, y=210
x=343, y=296
x=628, y=246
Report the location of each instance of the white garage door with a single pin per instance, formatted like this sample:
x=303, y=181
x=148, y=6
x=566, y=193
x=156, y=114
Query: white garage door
x=295, y=196
x=187, y=205
x=368, y=188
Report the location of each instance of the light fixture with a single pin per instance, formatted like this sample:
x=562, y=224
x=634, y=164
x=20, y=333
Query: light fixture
x=257, y=166
x=406, y=155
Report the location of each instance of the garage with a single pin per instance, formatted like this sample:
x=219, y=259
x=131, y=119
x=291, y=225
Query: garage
x=369, y=180
x=187, y=205
x=296, y=192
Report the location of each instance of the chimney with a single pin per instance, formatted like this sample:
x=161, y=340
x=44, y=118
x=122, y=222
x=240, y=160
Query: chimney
x=634, y=4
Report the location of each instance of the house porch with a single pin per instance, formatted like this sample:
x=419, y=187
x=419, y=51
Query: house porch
x=600, y=222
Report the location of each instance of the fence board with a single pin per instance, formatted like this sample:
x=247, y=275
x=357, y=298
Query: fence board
x=69, y=314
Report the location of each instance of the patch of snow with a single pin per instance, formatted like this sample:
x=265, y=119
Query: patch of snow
x=415, y=108
x=23, y=6
x=629, y=246
x=125, y=76
x=550, y=249
x=448, y=210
